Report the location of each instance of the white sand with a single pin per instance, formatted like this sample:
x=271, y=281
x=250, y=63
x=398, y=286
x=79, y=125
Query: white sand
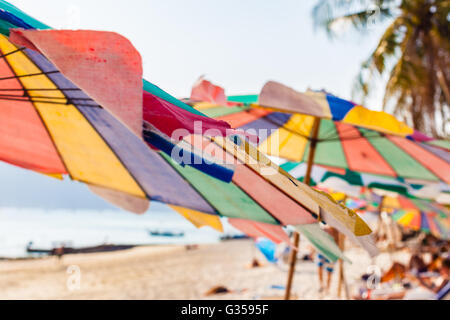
x=171, y=272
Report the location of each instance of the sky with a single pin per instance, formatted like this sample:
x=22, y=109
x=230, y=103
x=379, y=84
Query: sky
x=237, y=44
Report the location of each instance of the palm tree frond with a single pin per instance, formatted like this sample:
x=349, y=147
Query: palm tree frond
x=338, y=14
x=412, y=57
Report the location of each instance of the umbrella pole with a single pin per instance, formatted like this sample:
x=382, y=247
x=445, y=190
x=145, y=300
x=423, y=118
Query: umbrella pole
x=380, y=220
x=393, y=244
x=342, y=281
x=293, y=256
x=292, y=261
x=341, y=244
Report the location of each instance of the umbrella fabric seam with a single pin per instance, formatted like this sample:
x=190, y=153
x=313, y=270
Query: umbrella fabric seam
x=42, y=121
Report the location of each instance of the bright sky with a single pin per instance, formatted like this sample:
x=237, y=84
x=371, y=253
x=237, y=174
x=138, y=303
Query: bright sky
x=237, y=44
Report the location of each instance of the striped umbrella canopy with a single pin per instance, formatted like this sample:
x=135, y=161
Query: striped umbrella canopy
x=407, y=209
x=350, y=182
x=246, y=204
x=89, y=58
x=350, y=137
x=357, y=203
x=322, y=129
x=420, y=215
x=51, y=124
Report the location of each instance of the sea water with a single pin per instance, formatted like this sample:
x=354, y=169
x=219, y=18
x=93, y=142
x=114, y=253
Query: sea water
x=81, y=228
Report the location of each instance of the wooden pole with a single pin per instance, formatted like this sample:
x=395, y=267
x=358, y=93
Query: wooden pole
x=293, y=256
x=393, y=242
x=341, y=271
x=312, y=150
x=341, y=244
x=380, y=220
x=342, y=281
x=292, y=261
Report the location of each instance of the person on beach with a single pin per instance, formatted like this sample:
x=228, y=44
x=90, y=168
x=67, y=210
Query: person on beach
x=417, y=265
x=437, y=258
x=397, y=272
x=59, y=252
x=323, y=262
x=426, y=287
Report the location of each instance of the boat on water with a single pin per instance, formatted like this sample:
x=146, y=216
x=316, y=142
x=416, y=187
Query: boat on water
x=230, y=237
x=167, y=234
x=62, y=250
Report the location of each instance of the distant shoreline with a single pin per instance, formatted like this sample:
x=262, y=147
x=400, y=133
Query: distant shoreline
x=112, y=248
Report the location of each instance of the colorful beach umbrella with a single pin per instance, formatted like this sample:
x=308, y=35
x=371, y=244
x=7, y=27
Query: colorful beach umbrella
x=350, y=137
x=88, y=58
x=319, y=128
x=52, y=126
x=420, y=215
x=407, y=209
x=350, y=182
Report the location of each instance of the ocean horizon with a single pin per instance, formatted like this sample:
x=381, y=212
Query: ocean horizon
x=47, y=228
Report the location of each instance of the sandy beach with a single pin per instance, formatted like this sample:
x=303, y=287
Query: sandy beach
x=171, y=272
